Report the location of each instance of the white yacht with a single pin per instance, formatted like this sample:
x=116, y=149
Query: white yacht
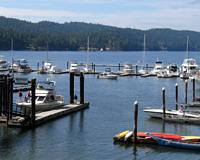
x=21, y=66
x=188, y=68
x=107, y=74
x=45, y=97
x=157, y=68
x=3, y=64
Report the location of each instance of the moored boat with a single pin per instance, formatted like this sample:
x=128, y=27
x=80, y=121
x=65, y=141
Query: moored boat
x=46, y=97
x=127, y=70
x=107, y=74
x=188, y=68
x=74, y=68
x=157, y=68
x=3, y=64
x=158, y=113
x=21, y=66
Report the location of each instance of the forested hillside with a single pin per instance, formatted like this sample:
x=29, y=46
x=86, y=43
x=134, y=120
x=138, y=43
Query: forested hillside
x=73, y=36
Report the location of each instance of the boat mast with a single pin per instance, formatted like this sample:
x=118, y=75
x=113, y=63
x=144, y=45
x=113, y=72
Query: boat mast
x=88, y=49
x=12, y=57
x=47, y=54
x=187, y=51
x=144, y=49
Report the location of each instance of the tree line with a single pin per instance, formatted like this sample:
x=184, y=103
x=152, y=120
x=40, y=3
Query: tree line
x=73, y=36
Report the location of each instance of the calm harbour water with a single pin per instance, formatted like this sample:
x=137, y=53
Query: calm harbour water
x=88, y=134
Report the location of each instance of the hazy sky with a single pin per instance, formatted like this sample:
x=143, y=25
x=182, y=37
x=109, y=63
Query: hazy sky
x=140, y=14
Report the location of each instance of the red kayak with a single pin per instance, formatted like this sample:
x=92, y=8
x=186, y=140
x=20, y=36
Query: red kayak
x=160, y=135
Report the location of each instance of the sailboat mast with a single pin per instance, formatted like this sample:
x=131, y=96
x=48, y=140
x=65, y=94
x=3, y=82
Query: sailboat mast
x=11, y=44
x=12, y=60
x=88, y=44
x=144, y=49
x=88, y=49
x=188, y=54
x=47, y=56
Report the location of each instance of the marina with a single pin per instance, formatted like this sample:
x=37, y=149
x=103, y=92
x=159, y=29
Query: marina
x=111, y=97
x=99, y=80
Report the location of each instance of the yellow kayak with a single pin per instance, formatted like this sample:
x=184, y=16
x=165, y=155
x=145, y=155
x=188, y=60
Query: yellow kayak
x=121, y=135
x=190, y=137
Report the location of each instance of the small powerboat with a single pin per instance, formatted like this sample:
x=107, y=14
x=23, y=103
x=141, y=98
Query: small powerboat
x=45, y=97
x=107, y=74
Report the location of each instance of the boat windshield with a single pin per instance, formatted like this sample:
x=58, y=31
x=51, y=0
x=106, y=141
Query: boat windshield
x=49, y=85
x=40, y=98
x=108, y=70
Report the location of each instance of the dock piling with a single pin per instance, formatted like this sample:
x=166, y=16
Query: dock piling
x=5, y=99
x=7, y=107
x=164, y=102
x=135, y=121
x=193, y=89
x=10, y=97
x=186, y=91
x=81, y=88
x=38, y=66
x=176, y=96
x=146, y=68
x=33, y=86
x=94, y=68
x=136, y=69
x=67, y=65
x=119, y=66
x=1, y=94
x=71, y=87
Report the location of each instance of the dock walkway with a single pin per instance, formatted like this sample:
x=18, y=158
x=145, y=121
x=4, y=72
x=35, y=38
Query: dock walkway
x=45, y=116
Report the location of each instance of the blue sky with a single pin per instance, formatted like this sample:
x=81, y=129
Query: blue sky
x=140, y=14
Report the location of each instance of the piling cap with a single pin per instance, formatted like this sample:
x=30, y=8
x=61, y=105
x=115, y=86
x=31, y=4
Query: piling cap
x=136, y=102
x=186, y=81
x=176, y=84
x=163, y=88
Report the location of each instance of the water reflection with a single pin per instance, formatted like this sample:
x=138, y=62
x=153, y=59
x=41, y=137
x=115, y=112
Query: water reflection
x=72, y=120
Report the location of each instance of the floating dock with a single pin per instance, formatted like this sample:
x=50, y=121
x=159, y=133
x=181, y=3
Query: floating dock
x=45, y=116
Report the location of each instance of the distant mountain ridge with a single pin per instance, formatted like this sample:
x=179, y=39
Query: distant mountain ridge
x=73, y=36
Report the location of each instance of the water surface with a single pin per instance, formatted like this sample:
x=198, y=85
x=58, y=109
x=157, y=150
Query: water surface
x=88, y=134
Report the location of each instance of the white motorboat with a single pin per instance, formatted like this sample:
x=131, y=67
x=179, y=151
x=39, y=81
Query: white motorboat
x=158, y=113
x=74, y=68
x=171, y=71
x=45, y=97
x=127, y=70
x=21, y=66
x=55, y=69
x=107, y=74
x=4, y=66
x=188, y=68
x=157, y=68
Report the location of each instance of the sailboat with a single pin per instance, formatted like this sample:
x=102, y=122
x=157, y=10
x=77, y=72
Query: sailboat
x=46, y=66
x=144, y=70
x=87, y=68
x=189, y=66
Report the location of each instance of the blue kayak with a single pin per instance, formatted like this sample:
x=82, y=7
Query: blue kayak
x=177, y=144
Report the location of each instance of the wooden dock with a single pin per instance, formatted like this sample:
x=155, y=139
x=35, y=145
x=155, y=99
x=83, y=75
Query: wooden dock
x=45, y=116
